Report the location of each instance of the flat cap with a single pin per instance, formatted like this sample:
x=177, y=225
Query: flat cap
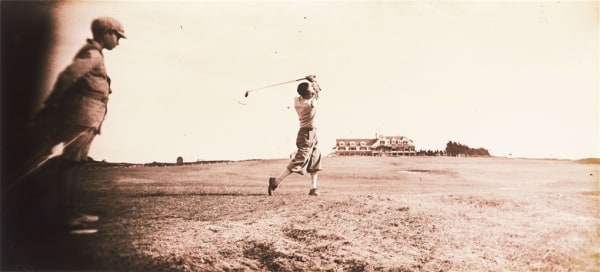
x=108, y=24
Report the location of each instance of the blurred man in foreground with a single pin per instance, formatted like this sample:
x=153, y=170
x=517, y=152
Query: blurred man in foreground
x=73, y=114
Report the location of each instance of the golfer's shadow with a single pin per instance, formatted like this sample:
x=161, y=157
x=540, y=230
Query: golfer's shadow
x=166, y=194
x=229, y=194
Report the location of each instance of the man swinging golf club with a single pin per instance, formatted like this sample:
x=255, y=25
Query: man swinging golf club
x=308, y=157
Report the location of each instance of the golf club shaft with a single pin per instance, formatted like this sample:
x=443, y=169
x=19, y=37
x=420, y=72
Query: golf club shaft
x=41, y=160
x=247, y=92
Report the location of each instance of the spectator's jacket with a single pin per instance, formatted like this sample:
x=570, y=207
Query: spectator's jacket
x=80, y=94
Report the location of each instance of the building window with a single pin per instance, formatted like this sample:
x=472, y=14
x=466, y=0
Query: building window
x=363, y=143
x=341, y=144
x=352, y=144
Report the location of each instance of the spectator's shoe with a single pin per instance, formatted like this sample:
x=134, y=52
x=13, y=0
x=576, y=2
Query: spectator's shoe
x=313, y=192
x=272, y=185
x=88, y=218
x=80, y=221
x=74, y=224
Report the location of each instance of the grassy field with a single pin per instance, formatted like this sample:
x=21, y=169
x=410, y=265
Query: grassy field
x=400, y=214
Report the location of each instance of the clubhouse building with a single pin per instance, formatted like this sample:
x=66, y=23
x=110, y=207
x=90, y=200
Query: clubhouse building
x=384, y=146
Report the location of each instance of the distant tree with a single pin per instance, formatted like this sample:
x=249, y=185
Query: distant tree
x=451, y=149
x=479, y=152
x=179, y=160
x=455, y=149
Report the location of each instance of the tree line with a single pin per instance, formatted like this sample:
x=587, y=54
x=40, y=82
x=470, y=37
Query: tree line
x=456, y=149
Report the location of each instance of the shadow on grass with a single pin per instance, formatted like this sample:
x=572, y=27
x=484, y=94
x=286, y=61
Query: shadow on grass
x=166, y=194
x=51, y=248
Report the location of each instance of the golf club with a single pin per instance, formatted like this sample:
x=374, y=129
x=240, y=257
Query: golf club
x=54, y=151
x=281, y=83
x=248, y=92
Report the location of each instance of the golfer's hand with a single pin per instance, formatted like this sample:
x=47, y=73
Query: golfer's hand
x=311, y=78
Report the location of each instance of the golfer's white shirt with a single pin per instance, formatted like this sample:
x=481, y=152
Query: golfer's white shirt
x=306, y=110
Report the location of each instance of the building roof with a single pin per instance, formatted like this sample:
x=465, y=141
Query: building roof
x=374, y=142
x=357, y=140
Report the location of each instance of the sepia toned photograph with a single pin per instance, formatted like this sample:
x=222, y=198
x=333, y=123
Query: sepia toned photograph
x=300, y=135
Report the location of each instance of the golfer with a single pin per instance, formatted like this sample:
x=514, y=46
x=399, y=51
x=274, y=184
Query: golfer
x=74, y=111
x=308, y=157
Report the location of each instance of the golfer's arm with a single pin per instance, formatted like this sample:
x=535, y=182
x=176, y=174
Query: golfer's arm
x=317, y=89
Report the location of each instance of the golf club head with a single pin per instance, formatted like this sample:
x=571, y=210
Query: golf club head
x=246, y=94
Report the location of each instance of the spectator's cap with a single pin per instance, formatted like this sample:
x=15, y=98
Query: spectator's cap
x=103, y=24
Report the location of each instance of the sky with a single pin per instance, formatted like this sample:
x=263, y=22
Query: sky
x=519, y=78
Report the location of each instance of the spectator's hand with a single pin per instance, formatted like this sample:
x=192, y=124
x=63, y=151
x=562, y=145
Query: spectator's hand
x=311, y=78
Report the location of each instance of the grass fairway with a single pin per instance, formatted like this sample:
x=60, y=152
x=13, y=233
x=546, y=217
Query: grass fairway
x=401, y=214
